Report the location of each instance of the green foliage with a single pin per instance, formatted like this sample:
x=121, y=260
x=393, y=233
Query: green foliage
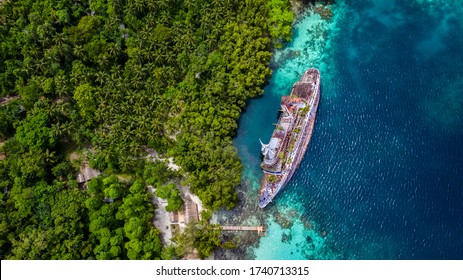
x=62, y=170
x=156, y=173
x=98, y=162
x=272, y=178
x=203, y=237
x=9, y=114
x=121, y=227
x=169, y=253
x=122, y=76
x=34, y=132
x=164, y=192
x=169, y=192
x=174, y=202
x=280, y=20
x=208, y=240
x=206, y=215
x=62, y=227
x=113, y=188
x=85, y=98
x=174, y=78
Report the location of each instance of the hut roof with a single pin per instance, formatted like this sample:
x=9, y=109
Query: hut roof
x=87, y=174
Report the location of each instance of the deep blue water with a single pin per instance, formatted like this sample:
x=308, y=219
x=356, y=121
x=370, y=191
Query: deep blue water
x=383, y=175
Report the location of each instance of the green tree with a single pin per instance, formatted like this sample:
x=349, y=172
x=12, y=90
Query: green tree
x=165, y=191
x=174, y=202
x=169, y=192
x=280, y=20
x=86, y=100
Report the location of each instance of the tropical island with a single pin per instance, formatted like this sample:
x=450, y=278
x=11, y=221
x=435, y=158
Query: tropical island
x=109, y=106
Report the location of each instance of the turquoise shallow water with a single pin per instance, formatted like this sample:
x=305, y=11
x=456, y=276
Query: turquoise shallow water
x=383, y=175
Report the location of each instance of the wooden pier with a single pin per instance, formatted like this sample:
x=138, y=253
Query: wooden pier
x=260, y=229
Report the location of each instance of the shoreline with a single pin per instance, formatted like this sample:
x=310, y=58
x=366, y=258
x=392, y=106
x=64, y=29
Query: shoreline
x=273, y=215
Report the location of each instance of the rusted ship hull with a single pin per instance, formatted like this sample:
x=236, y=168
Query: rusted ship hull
x=273, y=182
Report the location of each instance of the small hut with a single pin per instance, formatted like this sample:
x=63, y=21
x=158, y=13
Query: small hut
x=189, y=213
x=87, y=174
x=190, y=210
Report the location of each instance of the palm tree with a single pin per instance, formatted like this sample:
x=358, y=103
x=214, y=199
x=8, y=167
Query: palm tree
x=157, y=126
x=67, y=128
x=152, y=5
x=34, y=51
x=165, y=17
x=138, y=5
x=158, y=73
x=151, y=85
x=112, y=23
x=79, y=51
x=100, y=114
x=151, y=136
x=171, y=59
x=159, y=56
x=56, y=130
x=59, y=39
x=211, y=41
x=103, y=60
x=176, y=107
x=41, y=65
x=131, y=96
x=138, y=71
x=170, y=73
x=137, y=83
x=155, y=100
x=187, y=40
x=49, y=156
x=143, y=97
x=163, y=4
x=114, y=49
x=28, y=65
x=100, y=77
x=148, y=55
x=190, y=4
x=126, y=162
x=138, y=108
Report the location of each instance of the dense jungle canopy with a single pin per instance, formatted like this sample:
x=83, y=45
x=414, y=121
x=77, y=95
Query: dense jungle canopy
x=119, y=77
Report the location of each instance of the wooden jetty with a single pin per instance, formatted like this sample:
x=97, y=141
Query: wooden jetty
x=260, y=229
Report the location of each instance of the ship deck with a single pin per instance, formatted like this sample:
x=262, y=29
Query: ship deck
x=307, y=87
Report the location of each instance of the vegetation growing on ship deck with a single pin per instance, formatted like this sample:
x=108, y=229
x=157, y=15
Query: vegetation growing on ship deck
x=120, y=76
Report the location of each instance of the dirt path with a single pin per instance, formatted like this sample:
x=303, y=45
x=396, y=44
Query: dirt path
x=5, y=100
x=153, y=155
x=161, y=218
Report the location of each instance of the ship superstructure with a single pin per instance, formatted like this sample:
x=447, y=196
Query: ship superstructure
x=292, y=134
